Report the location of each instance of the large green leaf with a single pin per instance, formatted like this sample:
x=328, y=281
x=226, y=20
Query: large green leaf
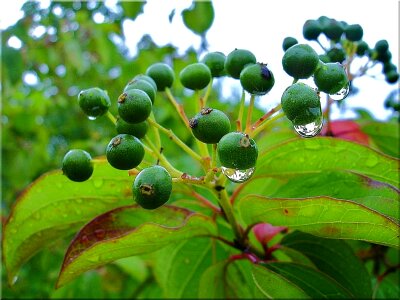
x=323, y=154
x=314, y=283
x=53, y=207
x=334, y=258
x=322, y=216
x=128, y=231
x=275, y=286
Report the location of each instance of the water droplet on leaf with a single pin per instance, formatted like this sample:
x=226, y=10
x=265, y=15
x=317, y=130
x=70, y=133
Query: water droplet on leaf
x=236, y=175
x=311, y=129
x=92, y=118
x=14, y=280
x=341, y=94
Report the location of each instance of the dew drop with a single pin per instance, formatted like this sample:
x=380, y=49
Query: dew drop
x=98, y=183
x=14, y=280
x=92, y=118
x=341, y=94
x=236, y=175
x=311, y=129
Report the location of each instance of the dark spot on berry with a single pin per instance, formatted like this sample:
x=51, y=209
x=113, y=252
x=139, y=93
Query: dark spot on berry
x=116, y=141
x=286, y=211
x=219, y=188
x=146, y=189
x=193, y=122
x=265, y=72
x=206, y=111
x=244, y=141
x=122, y=98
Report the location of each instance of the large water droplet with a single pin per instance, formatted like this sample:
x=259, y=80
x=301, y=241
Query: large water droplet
x=92, y=118
x=341, y=94
x=311, y=129
x=236, y=175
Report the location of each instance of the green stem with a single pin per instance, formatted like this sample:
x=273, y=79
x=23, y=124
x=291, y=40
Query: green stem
x=241, y=110
x=152, y=120
x=111, y=117
x=213, y=169
x=250, y=113
x=178, y=107
x=266, y=123
x=266, y=116
x=208, y=92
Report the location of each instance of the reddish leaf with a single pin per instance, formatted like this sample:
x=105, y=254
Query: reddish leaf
x=346, y=130
x=265, y=232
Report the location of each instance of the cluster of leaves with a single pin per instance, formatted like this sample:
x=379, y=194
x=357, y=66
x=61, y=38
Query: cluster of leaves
x=312, y=195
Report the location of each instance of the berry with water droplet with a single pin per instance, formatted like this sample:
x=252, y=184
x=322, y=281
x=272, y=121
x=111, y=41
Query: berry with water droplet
x=124, y=152
x=301, y=104
x=134, y=106
x=162, y=74
x=237, y=60
x=236, y=150
x=195, y=76
x=77, y=165
x=210, y=125
x=94, y=102
x=136, y=129
x=330, y=78
x=257, y=79
x=152, y=187
x=216, y=63
x=300, y=61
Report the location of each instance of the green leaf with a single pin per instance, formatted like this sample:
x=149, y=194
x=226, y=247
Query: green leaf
x=328, y=154
x=128, y=231
x=315, y=284
x=274, y=285
x=53, y=207
x=385, y=136
x=199, y=17
x=132, y=8
x=334, y=258
x=322, y=216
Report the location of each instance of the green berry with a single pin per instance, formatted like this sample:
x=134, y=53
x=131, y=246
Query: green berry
x=387, y=67
x=323, y=21
x=143, y=85
x=382, y=46
x=257, y=79
x=237, y=60
x=354, y=32
x=146, y=78
x=362, y=48
x=384, y=57
x=210, y=125
x=336, y=55
x=301, y=104
x=195, y=76
x=94, y=102
x=300, y=61
x=330, y=78
x=333, y=30
x=77, y=165
x=152, y=187
x=236, y=150
x=324, y=58
x=134, y=106
x=392, y=77
x=124, y=152
x=162, y=74
x=136, y=129
x=215, y=62
x=288, y=42
x=312, y=29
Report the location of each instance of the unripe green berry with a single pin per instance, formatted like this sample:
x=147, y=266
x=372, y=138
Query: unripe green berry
x=392, y=77
x=301, y=104
x=311, y=30
x=143, y=85
x=215, y=62
x=237, y=60
x=330, y=78
x=152, y=187
x=300, y=61
x=77, y=165
x=134, y=106
x=336, y=55
x=387, y=67
x=384, y=57
x=195, y=76
x=146, y=78
x=288, y=42
x=236, y=150
x=210, y=125
x=94, y=102
x=162, y=74
x=124, y=152
x=333, y=30
x=381, y=46
x=354, y=32
x=362, y=48
x=136, y=129
x=257, y=79
x=324, y=58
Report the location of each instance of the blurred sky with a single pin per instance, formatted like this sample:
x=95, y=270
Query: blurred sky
x=260, y=26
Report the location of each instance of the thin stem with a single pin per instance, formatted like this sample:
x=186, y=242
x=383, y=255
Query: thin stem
x=266, y=116
x=207, y=94
x=250, y=113
x=152, y=120
x=205, y=201
x=327, y=116
x=266, y=124
x=174, y=172
x=178, y=107
x=171, y=135
x=111, y=117
x=241, y=110
x=213, y=169
x=320, y=44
